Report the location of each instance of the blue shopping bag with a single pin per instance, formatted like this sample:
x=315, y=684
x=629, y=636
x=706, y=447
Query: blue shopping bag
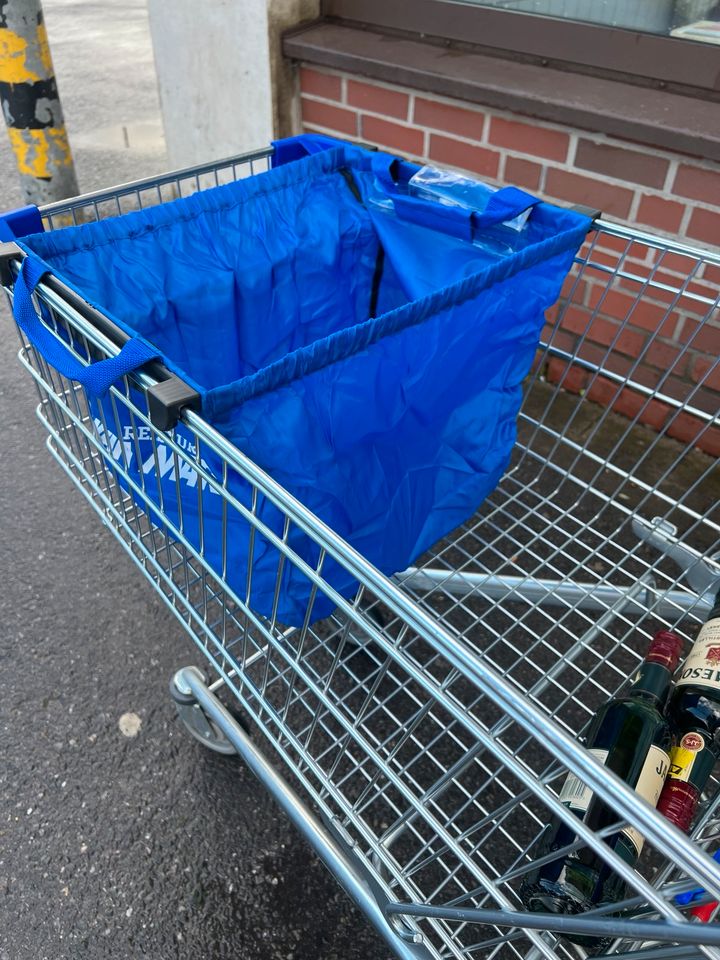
x=355, y=341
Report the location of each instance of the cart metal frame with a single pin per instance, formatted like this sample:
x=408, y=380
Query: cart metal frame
x=419, y=736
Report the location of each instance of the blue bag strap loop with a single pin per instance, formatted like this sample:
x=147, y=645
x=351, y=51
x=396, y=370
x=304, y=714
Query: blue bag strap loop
x=457, y=221
x=303, y=145
x=505, y=204
x=461, y=222
x=20, y=223
x=98, y=377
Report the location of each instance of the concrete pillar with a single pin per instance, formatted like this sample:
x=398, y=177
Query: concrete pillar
x=213, y=67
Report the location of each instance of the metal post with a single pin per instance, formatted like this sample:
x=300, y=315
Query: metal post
x=31, y=105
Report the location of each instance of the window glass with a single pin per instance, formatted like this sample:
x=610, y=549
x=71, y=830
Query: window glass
x=692, y=19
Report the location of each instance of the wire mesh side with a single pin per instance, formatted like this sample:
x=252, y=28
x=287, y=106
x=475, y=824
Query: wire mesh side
x=152, y=191
x=598, y=534
x=599, y=494
x=440, y=790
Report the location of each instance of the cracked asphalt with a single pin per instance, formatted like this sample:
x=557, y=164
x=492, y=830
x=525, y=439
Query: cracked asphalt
x=117, y=846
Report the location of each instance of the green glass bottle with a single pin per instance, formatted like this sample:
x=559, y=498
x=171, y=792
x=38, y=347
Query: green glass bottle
x=631, y=737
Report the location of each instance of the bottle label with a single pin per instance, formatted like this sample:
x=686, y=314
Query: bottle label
x=576, y=794
x=702, y=667
x=649, y=786
x=684, y=755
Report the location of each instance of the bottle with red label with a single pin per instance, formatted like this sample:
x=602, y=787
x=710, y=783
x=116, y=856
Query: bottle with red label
x=630, y=736
x=694, y=713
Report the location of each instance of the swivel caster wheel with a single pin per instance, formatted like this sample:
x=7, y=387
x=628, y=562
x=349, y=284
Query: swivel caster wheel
x=196, y=721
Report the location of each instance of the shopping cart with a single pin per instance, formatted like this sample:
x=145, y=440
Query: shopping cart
x=418, y=737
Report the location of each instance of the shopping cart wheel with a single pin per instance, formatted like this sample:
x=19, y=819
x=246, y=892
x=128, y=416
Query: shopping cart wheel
x=196, y=721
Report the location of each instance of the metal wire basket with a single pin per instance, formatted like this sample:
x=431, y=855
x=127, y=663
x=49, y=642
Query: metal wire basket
x=420, y=735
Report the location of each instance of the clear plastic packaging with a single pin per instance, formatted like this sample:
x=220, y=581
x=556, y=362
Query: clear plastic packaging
x=456, y=191
x=452, y=189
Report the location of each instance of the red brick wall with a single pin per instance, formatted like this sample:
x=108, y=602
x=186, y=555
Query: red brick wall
x=657, y=338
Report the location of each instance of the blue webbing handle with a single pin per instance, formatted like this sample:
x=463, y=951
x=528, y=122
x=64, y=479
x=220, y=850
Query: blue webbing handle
x=98, y=377
x=304, y=145
x=504, y=205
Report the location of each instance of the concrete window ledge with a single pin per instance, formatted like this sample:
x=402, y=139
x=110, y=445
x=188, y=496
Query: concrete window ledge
x=650, y=116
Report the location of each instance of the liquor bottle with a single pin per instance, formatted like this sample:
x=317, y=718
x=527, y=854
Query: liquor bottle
x=694, y=714
x=631, y=737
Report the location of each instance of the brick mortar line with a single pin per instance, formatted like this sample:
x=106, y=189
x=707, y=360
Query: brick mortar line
x=689, y=355
x=596, y=138
x=411, y=107
x=475, y=142
x=546, y=165
x=328, y=131
x=485, y=131
x=638, y=189
x=599, y=138
x=568, y=164
x=502, y=162
x=325, y=71
x=634, y=206
x=685, y=221
x=541, y=190
x=410, y=125
x=459, y=104
x=316, y=98
x=384, y=85
x=689, y=202
x=584, y=172
x=677, y=332
x=572, y=149
x=672, y=170
x=543, y=179
x=432, y=98
x=618, y=143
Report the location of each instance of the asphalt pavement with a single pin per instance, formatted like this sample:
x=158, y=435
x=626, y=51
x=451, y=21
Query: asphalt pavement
x=118, y=846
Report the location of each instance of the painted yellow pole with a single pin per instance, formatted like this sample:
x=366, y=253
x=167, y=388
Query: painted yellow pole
x=31, y=105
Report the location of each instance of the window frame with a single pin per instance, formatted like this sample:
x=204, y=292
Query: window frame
x=672, y=63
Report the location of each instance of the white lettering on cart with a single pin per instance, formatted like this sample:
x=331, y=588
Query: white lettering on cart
x=167, y=466
x=123, y=453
